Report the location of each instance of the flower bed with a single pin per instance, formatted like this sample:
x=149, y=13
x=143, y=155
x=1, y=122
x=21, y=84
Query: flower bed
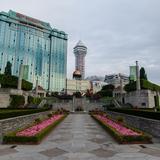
x=122, y=133
x=35, y=133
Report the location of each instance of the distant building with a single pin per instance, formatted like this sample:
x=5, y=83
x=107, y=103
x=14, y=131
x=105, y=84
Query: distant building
x=35, y=44
x=115, y=79
x=97, y=85
x=95, y=78
x=80, y=51
x=77, y=84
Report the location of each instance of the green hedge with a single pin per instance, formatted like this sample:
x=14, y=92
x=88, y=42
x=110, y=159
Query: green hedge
x=17, y=101
x=138, y=112
x=34, y=100
x=12, y=82
x=12, y=138
x=144, y=138
x=9, y=113
x=145, y=84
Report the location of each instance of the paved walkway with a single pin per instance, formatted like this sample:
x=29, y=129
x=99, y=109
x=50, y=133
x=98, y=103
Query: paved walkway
x=79, y=137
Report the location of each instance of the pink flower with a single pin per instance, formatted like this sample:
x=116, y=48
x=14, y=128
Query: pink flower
x=118, y=127
x=31, y=131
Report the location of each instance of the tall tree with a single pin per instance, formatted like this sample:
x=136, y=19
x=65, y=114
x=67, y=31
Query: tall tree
x=8, y=69
x=143, y=74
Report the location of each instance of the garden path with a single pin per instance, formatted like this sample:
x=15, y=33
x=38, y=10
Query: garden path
x=79, y=137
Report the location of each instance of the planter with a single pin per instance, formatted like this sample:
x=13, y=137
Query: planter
x=122, y=133
x=35, y=133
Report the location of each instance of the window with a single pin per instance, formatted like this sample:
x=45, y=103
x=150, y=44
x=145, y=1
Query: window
x=143, y=104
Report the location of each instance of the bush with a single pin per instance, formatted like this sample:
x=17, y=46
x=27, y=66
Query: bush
x=138, y=112
x=106, y=93
x=26, y=86
x=17, y=101
x=34, y=100
x=145, y=84
x=8, y=113
x=12, y=138
x=50, y=115
x=120, y=119
x=8, y=81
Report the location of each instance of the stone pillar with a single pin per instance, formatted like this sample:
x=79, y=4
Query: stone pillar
x=20, y=77
x=138, y=87
x=37, y=87
x=73, y=104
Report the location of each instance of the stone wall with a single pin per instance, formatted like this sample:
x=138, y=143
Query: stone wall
x=4, y=100
x=12, y=124
x=142, y=98
x=85, y=104
x=147, y=125
x=6, y=92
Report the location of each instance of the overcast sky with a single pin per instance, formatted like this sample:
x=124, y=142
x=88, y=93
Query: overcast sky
x=116, y=32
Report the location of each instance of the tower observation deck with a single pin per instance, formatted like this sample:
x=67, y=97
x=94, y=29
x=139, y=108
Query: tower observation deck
x=80, y=51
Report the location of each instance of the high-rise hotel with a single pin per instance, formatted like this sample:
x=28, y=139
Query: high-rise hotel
x=33, y=43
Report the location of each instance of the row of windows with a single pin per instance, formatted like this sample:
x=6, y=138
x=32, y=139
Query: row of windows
x=36, y=55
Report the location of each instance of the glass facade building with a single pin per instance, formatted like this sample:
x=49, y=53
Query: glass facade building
x=40, y=48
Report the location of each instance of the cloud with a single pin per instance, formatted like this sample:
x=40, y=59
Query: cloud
x=116, y=32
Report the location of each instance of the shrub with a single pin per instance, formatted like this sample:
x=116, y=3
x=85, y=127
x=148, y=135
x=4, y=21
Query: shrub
x=34, y=100
x=26, y=86
x=8, y=113
x=120, y=119
x=17, y=101
x=138, y=112
x=37, y=120
x=8, y=81
x=145, y=84
x=50, y=115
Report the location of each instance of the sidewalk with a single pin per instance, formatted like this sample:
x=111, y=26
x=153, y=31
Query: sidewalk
x=79, y=137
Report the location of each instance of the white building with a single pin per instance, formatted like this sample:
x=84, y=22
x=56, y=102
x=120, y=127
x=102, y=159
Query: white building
x=97, y=85
x=77, y=86
x=115, y=79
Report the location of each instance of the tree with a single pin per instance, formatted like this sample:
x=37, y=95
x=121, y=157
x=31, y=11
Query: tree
x=143, y=74
x=8, y=70
x=106, y=91
x=108, y=87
